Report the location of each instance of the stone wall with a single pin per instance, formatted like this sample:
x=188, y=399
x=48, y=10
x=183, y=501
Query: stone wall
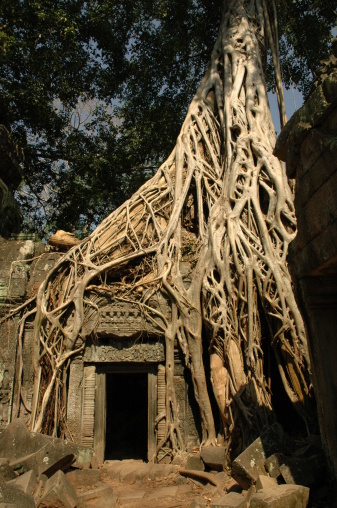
x=308, y=144
x=23, y=265
x=118, y=339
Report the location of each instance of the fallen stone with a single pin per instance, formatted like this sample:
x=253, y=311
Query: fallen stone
x=282, y=496
x=160, y=471
x=265, y=482
x=58, y=493
x=20, y=446
x=194, y=462
x=103, y=496
x=198, y=502
x=83, y=478
x=272, y=465
x=6, y=471
x=132, y=494
x=26, y=482
x=11, y=495
x=214, y=457
x=128, y=474
x=231, y=500
x=15, y=440
x=307, y=471
x=249, y=465
x=59, y=465
x=163, y=492
x=184, y=489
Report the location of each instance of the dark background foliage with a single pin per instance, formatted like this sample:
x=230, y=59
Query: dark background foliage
x=95, y=92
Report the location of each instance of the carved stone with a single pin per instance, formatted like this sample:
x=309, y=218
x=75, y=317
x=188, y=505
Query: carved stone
x=126, y=350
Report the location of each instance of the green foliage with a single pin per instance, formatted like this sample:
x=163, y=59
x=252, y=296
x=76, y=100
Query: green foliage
x=305, y=39
x=95, y=92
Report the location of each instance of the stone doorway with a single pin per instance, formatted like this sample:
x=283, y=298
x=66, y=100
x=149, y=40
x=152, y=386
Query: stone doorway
x=125, y=411
x=126, y=416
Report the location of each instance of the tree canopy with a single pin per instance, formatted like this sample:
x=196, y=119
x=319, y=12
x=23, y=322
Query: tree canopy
x=95, y=92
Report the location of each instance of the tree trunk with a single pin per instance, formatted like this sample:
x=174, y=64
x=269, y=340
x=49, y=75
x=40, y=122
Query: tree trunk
x=221, y=201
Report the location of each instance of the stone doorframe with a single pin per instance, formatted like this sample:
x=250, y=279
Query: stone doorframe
x=100, y=403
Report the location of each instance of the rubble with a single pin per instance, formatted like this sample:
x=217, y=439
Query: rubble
x=38, y=471
x=26, y=482
x=231, y=500
x=281, y=496
x=250, y=464
x=12, y=495
x=58, y=493
x=214, y=457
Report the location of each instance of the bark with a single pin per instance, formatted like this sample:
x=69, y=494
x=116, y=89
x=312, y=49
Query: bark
x=222, y=196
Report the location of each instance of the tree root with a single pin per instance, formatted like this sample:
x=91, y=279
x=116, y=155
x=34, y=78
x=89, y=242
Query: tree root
x=222, y=196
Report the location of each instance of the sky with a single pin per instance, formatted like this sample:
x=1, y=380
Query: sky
x=293, y=99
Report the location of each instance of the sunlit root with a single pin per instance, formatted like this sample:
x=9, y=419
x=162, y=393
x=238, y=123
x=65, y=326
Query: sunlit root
x=222, y=203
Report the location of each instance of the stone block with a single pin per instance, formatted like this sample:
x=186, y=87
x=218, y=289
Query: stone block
x=12, y=495
x=6, y=471
x=15, y=440
x=198, y=502
x=26, y=482
x=83, y=478
x=307, y=471
x=213, y=456
x=272, y=465
x=319, y=210
x=231, y=500
x=264, y=482
x=294, y=496
x=194, y=462
x=58, y=493
x=38, y=451
x=164, y=492
x=311, y=149
x=130, y=473
x=249, y=465
x=103, y=496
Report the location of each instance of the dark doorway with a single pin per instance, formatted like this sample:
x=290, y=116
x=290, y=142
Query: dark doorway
x=126, y=416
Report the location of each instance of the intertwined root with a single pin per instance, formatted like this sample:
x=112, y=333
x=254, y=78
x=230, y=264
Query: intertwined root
x=221, y=200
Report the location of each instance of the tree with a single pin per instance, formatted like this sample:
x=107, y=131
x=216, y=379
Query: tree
x=136, y=66
x=221, y=201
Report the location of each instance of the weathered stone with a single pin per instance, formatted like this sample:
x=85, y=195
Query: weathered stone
x=61, y=464
x=264, y=482
x=307, y=471
x=247, y=467
x=125, y=350
x=198, y=502
x=58, y=493
x=213, y=456
x=10, y=494
x=6, y=471
x=81, y=478
x=294, y=496
x=41, y=453
x=103, y=496
x=125, y=320
x=231, y=500
x=194, y=462
x=164, y=492
x=15, y=440
x=272, y=465
x=26, y=482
